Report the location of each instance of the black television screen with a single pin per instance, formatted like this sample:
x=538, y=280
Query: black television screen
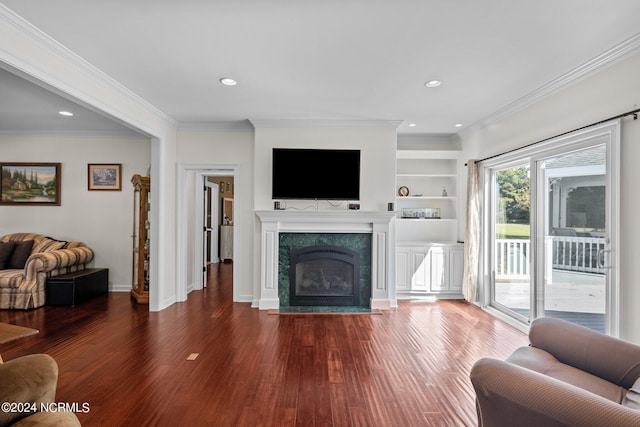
x=301, y=173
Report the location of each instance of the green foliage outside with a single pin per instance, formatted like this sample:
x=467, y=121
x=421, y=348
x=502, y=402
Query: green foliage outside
x=515, y=195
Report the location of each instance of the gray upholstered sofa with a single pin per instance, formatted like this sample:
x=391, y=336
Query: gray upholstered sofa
x=568, y=376
x=27, y=259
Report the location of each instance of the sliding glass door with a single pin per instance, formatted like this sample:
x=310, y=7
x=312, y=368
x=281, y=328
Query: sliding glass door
x=552, y=227
x=575, y=236
x=512, y=240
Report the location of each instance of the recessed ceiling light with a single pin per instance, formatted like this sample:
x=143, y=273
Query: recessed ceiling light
x=458, y=125
x=412, y=125
x=65, y=113
x=433, y=83
x=228, y=81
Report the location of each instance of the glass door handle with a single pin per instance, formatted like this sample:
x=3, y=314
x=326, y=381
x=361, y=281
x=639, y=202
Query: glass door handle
x=601, y=258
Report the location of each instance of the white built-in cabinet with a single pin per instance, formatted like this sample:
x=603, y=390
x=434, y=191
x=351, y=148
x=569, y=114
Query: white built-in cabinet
x=429, y=269
x=429, y=258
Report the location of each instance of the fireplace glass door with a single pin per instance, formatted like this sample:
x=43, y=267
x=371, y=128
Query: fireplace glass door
x=324, y=276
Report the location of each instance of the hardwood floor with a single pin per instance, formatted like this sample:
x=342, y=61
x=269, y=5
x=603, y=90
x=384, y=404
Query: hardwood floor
x=406, y=367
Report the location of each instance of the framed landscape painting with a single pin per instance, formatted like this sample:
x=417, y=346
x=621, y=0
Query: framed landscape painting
x=105, y=176
x=30, y=184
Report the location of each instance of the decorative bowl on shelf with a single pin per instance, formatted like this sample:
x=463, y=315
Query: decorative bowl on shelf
x=403, y=191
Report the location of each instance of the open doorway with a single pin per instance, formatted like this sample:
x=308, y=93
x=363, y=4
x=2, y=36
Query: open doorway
x=194, y=253
x=218, y=220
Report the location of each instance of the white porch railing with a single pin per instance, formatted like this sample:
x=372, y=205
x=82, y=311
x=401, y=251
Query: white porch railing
x=578, y=254
x=512, y=259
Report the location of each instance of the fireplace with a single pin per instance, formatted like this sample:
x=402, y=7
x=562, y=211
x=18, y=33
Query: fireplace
x=283, y=232
x=324, y=275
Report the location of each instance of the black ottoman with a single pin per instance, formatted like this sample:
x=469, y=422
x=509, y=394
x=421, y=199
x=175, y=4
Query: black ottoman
x=76, y=287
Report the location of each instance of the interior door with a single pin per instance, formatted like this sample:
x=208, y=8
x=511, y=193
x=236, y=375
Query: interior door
x=210, y=221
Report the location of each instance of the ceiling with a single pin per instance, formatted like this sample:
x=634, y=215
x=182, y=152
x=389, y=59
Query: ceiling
x=28, y=107
x=356, y=60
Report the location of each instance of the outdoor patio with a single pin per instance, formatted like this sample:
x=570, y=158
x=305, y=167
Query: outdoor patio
x=578, y=297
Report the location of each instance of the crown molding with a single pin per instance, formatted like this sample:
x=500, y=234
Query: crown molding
x=19, y=24
x=427, y=138
x=73, y=134
x=219, y=126
x=616, y=54
x=320, y=123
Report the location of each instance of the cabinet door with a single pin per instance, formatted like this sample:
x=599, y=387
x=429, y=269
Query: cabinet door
x=420, y=268
x=456, y=269
x=439, y=270
x=226, y=242
x=403, y=270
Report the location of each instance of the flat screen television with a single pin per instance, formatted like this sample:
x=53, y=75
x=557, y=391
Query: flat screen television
x=322, y=174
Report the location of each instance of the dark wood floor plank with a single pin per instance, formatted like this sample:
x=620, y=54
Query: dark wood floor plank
x=409, y=366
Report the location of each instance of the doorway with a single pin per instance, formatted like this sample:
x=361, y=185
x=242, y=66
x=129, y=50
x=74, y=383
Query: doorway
x=218, y=221
x=553, y=230
x=192, y=221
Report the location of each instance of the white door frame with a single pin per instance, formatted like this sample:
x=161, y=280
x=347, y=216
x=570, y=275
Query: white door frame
x=608, y=134
x=192, y=214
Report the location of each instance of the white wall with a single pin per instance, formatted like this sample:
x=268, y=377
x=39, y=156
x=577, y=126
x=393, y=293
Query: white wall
x=251, y=152
x=377, y=160
x=612, y=91
x=205, y=149
x=101, y=219
x=377, y=171
x=27, y=50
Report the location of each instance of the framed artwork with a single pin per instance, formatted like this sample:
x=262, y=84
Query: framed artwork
x=30, y=183
x=105, y=176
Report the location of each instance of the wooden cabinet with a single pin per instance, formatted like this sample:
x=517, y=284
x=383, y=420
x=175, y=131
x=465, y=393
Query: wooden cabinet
x=141, y=242
x=429, y=269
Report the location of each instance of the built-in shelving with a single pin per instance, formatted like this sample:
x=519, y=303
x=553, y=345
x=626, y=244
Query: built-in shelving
x=431, y=177
x=429, y=260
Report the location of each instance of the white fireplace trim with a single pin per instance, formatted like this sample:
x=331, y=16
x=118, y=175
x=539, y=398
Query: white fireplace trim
x=376, y=223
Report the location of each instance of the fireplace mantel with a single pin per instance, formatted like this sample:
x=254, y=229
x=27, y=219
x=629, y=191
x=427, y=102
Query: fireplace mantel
x=376, y=223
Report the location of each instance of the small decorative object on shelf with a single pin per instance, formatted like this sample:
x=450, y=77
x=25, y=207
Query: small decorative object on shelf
x=444, y=191
x=420, y=213
x=403, y=191
x=140, y=236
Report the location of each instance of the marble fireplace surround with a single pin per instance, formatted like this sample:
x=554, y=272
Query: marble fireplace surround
x=275, y=222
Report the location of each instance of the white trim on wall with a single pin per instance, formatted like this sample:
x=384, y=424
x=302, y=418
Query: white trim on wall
x=27, y=51
x=617, y=53
x=193, y=214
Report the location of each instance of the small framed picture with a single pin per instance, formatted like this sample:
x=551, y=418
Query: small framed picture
x=105, y=176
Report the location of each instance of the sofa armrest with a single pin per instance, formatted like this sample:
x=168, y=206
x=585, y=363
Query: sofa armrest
x=607, y=357
x=508, y=394
x=28, y=379
x=54, y=260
